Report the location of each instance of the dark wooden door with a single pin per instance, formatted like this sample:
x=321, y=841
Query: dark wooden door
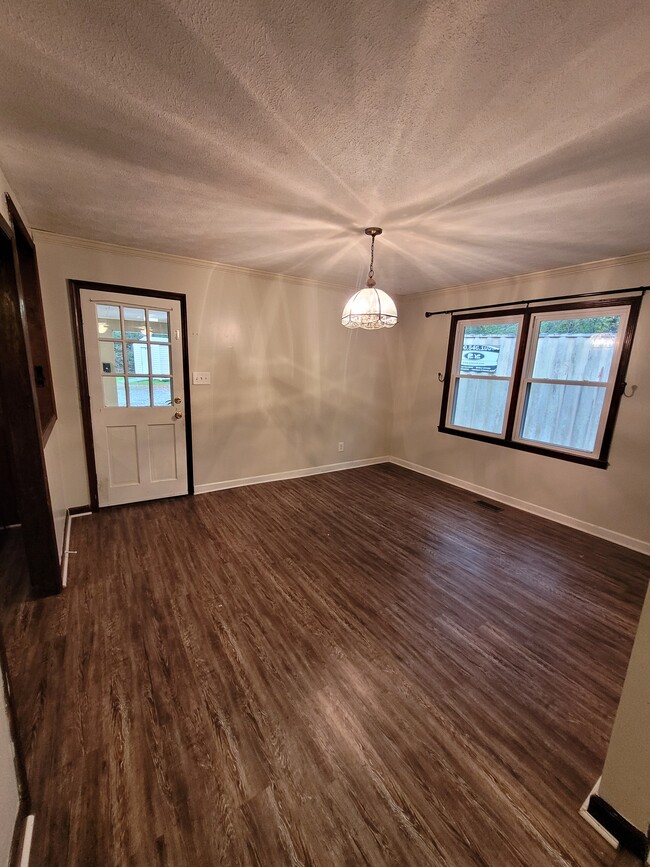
x=21, y=424
x=8, y=506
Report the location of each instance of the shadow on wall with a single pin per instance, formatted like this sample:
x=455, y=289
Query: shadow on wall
x=289, y=382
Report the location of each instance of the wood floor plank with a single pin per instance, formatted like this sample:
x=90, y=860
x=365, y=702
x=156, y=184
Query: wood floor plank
x=361, y=668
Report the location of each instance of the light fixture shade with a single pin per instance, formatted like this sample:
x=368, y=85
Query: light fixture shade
x=370, y=308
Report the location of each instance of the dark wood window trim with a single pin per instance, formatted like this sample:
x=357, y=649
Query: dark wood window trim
x=634, y=304
x=18, y=400
x=27, y=267
x=74, y=289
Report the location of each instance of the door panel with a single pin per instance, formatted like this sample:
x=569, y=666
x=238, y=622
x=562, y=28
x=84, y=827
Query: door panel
x=162, y=452
x=123, y=463
x=134, y=363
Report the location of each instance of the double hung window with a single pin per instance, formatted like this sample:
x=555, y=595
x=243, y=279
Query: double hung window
x=544, y=379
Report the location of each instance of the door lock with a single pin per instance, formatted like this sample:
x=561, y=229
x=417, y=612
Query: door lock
x=177, y=400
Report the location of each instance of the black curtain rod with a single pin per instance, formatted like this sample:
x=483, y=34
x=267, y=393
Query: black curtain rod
x=641, y=289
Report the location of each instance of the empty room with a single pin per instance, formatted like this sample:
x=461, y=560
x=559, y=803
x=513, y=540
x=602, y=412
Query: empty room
x=324, y=433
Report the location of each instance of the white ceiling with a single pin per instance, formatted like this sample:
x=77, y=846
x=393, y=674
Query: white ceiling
x=487, y=137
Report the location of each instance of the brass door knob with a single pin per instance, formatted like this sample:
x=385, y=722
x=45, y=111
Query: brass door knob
x=178, y=414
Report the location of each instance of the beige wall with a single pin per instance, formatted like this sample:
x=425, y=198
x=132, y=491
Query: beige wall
x=614, y=500
x=9, y=800
x=626, y=776
x=288, y=382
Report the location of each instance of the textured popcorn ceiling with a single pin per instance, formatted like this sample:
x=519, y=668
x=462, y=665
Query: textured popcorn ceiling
x=487, y=137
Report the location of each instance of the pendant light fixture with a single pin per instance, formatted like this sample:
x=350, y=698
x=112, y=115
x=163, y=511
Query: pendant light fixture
x=370, y=307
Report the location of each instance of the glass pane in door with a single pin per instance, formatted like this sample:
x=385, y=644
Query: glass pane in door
x=108, y=321
x=158, y=326
x=139, y=391
x=134, y=323
x=162, y=391
x=160, y=360
x=111, y=356
x=114, y=390
x=137, y=358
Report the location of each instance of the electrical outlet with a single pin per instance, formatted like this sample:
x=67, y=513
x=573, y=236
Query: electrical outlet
x=199, y=378
x=341, y=446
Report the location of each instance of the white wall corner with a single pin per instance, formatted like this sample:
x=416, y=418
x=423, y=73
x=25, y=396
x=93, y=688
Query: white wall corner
x=289, y=474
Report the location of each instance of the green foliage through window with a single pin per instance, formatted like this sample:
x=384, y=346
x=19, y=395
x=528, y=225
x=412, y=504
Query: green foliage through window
x=585, y=325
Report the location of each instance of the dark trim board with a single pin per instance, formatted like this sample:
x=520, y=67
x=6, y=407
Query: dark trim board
x=18, y=838
x=74, y=289
x=523, y=447
x=18, y=398
x=27, y=265
x=84, y=394
x=628, y=836
x=79, y=510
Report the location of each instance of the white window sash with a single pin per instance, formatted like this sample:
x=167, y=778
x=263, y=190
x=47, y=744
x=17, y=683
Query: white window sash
x=457, y=375
x=527, y=378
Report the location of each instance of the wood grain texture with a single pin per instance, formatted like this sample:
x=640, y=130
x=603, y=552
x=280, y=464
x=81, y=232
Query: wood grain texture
x=35, y=319
x=362, y=668
x=20, y=407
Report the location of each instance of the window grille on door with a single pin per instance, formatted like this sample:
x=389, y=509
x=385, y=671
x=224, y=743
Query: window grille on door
x=135, y=355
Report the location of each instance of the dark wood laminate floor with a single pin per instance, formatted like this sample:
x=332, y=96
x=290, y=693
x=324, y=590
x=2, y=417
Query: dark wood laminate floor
x=362, y=668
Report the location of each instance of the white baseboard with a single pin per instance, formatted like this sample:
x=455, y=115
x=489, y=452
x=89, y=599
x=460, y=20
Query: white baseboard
x=591, y=821
x=524, y=505
x=290, y=474
x=27, y=840
x=65, y=554
x=604, y=833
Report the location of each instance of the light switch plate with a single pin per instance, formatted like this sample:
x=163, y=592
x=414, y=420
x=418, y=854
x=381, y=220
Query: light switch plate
x=200, y=378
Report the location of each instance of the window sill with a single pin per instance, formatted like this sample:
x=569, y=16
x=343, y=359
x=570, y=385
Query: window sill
x=599, y=463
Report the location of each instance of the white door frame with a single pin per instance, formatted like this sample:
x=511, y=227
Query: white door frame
x=75, y=287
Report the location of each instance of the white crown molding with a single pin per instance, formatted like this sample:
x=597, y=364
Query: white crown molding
x=42, y=236
x=517, y=279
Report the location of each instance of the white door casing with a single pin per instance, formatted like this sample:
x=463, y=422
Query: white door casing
x=134, y=363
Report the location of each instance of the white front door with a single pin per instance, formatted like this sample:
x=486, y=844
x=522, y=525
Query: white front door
x=134, y=362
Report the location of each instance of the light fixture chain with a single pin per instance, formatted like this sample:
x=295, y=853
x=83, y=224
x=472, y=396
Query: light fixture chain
x=371, y=272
